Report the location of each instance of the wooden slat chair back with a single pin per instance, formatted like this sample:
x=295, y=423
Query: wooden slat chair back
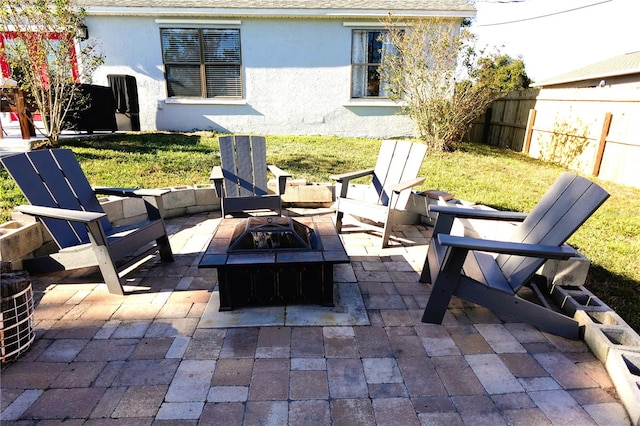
x=62, y=198
x=244, y=165
x=492, y=272
x=53, y=178
x=394, y=174
x=241, y=180
x=398, y=161
x=568, y=203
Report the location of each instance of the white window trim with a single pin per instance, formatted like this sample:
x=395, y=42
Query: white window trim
x=199, y=22
x=372, y=25
x=371, y=102
x=204, y=101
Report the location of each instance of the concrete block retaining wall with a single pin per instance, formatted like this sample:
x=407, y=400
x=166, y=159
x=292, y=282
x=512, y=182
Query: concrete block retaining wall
x=25, y=238
x=617, y=346
x=624, y=369
x=18, y=239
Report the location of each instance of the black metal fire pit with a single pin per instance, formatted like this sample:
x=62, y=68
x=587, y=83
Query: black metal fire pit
x=264, y=261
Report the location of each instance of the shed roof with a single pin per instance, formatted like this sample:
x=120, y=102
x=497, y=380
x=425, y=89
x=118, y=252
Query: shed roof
x=617, y=66
x=459, y=8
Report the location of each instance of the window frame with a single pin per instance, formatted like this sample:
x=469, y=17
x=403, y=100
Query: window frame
x=355, y=32
x=203, y=64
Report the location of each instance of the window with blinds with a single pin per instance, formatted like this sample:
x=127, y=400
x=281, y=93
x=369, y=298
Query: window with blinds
x=202, y=62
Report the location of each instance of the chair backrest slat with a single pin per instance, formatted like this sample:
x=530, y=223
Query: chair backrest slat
x=568, y=203
x=81, y=186
x=53, y=178
x=244, y=165
x=228, y=160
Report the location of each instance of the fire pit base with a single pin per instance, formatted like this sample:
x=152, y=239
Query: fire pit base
x=282, y=284
x=275, y=276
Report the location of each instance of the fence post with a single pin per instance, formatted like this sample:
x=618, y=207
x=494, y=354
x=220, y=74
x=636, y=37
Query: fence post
x=529, y=132
x=602, y=143
x=487, y=125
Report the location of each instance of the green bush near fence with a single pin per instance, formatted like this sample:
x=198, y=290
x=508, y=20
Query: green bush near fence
x=498, y=178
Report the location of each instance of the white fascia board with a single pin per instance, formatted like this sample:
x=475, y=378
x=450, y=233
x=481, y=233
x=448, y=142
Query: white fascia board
x=186, y=21
x=272, y=13
x=373, y=24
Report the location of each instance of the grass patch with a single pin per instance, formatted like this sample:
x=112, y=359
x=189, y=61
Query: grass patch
x=502, y=179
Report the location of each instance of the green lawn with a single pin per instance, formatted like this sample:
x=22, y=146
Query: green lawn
x=498, y=178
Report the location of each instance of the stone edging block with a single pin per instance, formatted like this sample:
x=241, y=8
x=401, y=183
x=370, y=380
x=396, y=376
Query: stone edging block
x=606, y=330
x=624, y=370
x=18, y=240
x=617, y=346
x=574, y=298
x=570, y=272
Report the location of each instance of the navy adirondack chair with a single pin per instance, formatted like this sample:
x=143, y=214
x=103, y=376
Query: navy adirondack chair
x=61, y=197
x=392, y=178
x=241, y=180
x=463, y=267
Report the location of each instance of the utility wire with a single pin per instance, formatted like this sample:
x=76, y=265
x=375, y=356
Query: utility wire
x=544, y=16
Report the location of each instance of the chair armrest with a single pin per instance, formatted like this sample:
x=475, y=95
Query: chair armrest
x=281, y=175
x=346, y=177
x=504, y=247
x=217, y=176
x=398, y=187
x=150, y=192
x=278, y=172
x=152, y=198
x=216, y=173
x=467, y=213
x=58, y=213
x=129, y=192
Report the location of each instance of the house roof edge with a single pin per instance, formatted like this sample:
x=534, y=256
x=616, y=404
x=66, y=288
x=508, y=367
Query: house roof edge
x=616, y=66
x=276, y=13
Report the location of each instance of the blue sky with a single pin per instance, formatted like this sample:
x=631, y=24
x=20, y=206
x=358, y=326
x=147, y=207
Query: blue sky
x=556, y=36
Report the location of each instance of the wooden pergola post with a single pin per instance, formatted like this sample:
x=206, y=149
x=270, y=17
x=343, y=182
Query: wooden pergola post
x=24, y=116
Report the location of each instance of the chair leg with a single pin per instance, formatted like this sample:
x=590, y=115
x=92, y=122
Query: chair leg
x=108, y=270
x=388, y=223
x=425, y=275
x=386, y=234
x=103, y=256
x=110, y=276
x=444, y=286
x=164, y=248
x=430, y=261
x=339, y=216
x=441, y=294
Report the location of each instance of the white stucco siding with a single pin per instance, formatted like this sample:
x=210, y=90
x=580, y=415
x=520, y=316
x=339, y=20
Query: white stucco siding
x=132, y=47
x=296, y=80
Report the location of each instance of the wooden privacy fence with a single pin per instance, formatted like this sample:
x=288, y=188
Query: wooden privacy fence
x=592, y=130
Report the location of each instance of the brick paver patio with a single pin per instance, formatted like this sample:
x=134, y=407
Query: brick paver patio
x=141, y=359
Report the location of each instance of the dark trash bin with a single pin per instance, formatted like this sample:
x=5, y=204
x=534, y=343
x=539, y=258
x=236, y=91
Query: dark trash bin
x=125, y=93
x=93, y=110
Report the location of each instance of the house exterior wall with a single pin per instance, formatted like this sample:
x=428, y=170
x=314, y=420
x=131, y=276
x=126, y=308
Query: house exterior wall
x=296, y=80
